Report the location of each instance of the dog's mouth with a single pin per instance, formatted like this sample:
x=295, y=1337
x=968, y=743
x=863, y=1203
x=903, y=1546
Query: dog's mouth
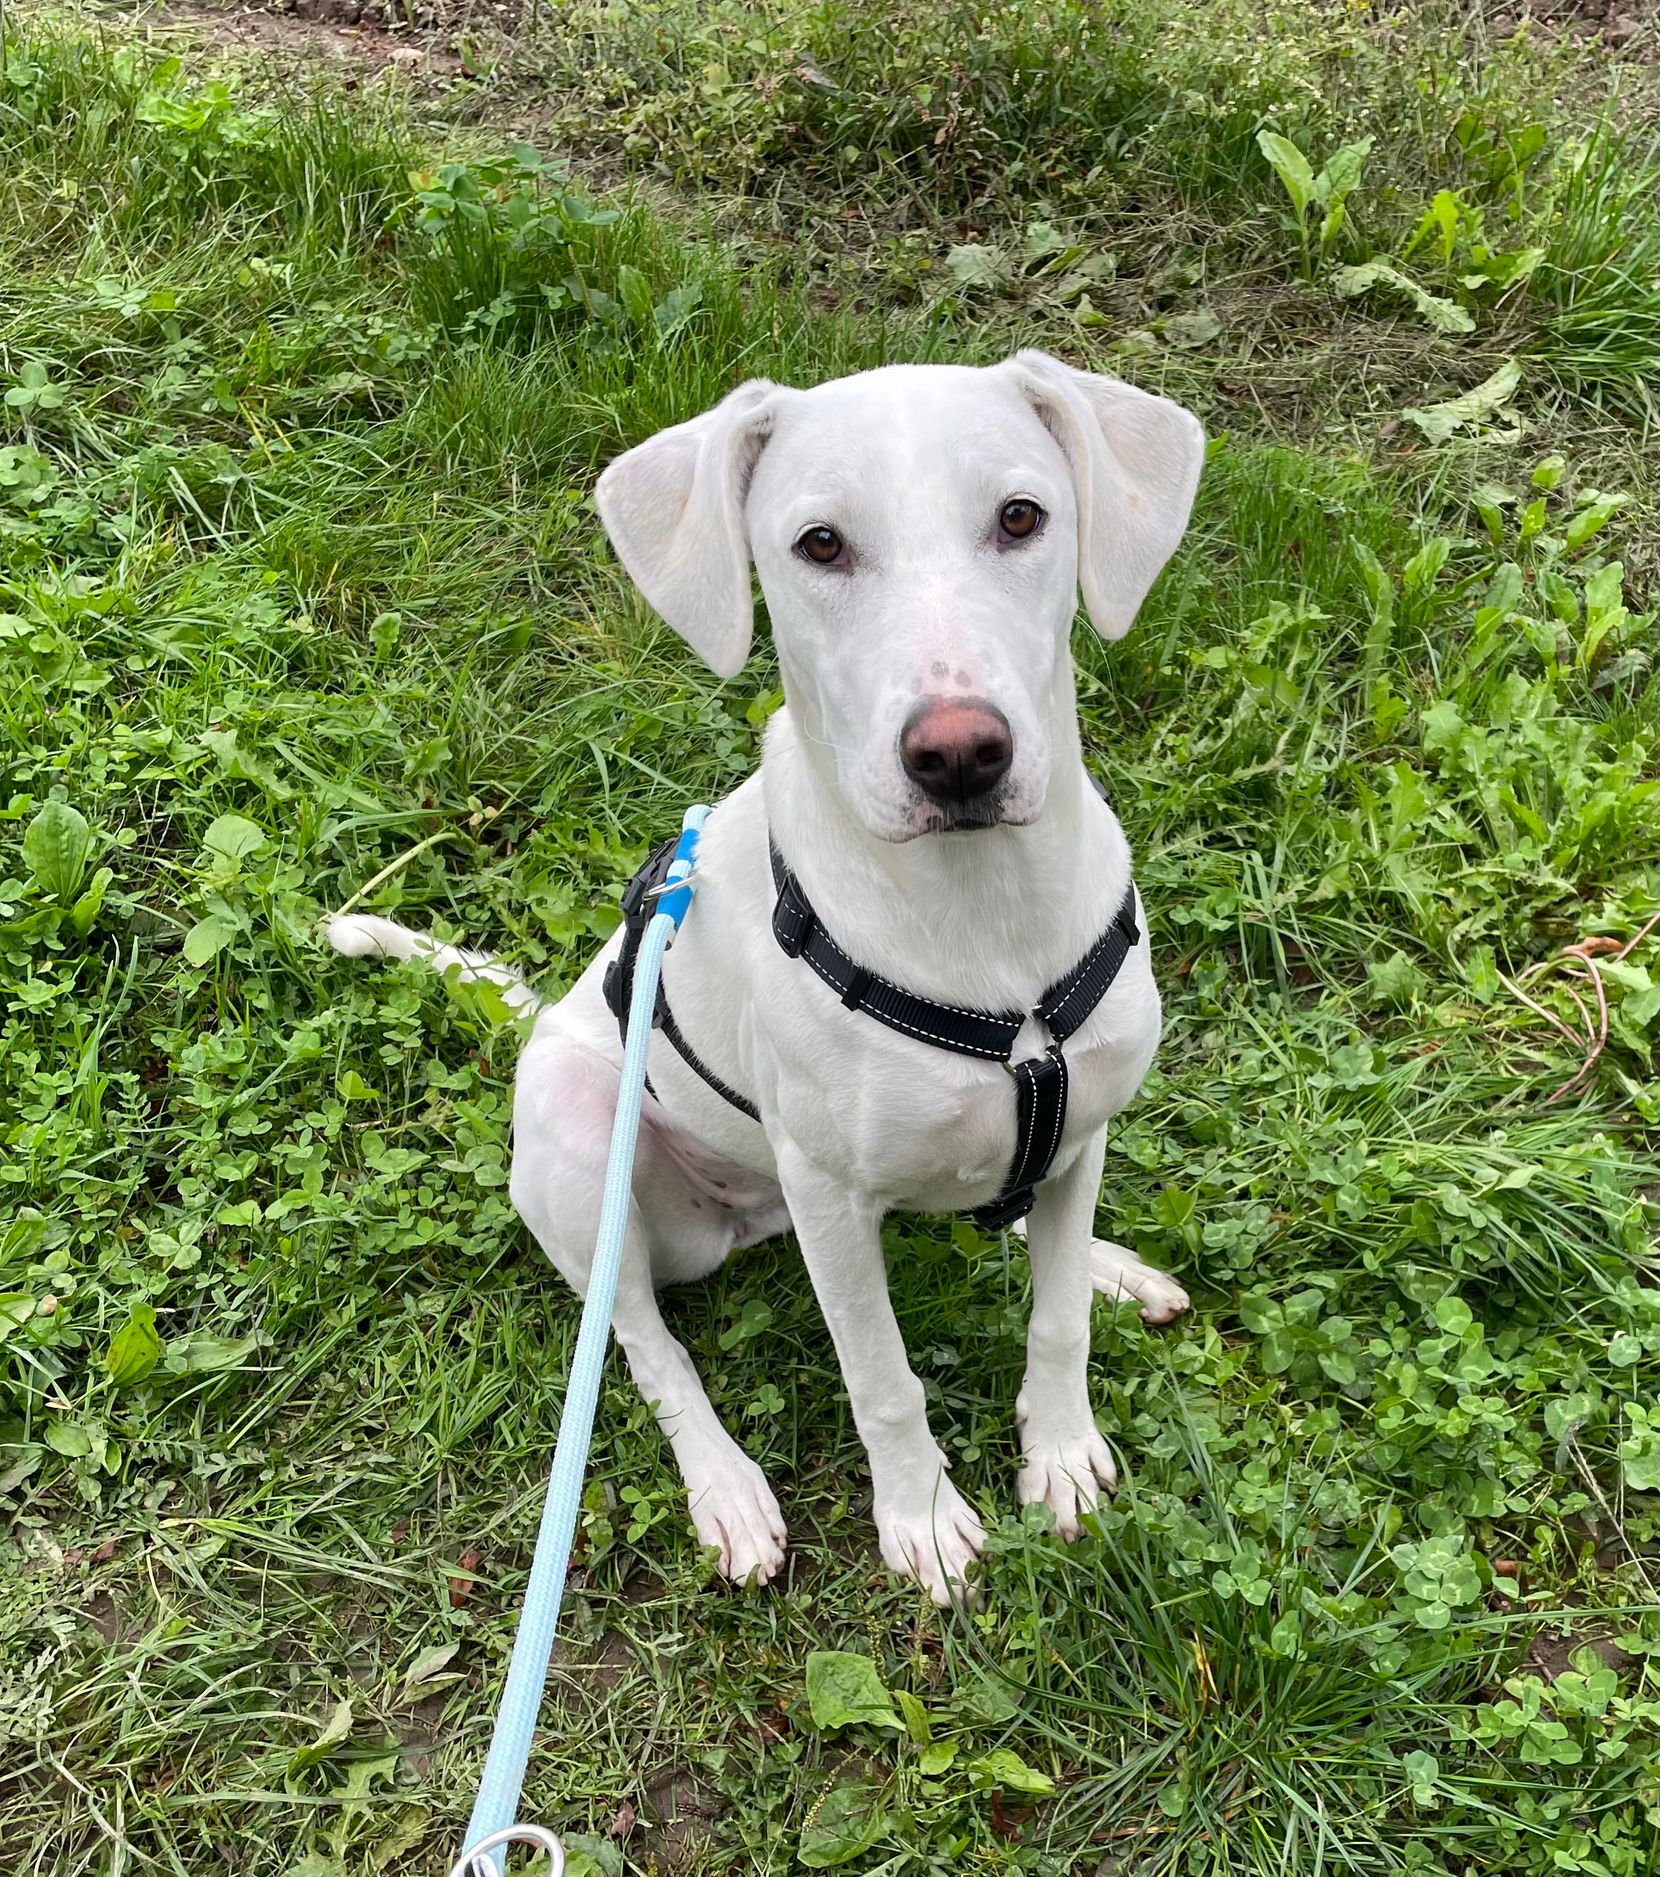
x=971, y=819
x=959, y=818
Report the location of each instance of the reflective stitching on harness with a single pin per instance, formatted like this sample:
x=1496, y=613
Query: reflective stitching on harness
x=899, y=1023
x=957, y=1010
x=783, y=879
x=1024, y=1145
x=1102, y=948
x=1060, y=1109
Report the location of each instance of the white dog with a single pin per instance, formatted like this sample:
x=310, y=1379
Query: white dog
x=896, y=905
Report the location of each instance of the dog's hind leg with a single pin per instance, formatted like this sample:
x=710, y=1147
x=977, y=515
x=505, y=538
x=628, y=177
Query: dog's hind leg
x=1117, y=1272
x=562, y=1124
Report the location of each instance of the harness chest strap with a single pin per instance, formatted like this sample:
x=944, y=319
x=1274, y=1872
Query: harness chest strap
x=1040, y=1081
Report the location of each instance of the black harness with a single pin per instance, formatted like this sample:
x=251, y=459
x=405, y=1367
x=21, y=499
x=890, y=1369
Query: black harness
x=1040, y=1081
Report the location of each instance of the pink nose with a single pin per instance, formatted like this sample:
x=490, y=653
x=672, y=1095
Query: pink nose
x=956, y=752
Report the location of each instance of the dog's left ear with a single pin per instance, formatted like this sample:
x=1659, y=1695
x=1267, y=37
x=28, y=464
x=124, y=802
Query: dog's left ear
x=674, y=509
x=1135, y=463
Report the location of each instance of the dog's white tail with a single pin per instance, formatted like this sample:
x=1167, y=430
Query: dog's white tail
x=365, y=935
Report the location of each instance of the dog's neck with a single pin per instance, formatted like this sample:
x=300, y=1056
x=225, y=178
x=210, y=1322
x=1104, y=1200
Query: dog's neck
x=989, y=918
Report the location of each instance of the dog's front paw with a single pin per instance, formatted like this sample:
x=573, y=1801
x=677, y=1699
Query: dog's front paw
x=735, y=1514
x=934, y=1540
x=1067, y=1474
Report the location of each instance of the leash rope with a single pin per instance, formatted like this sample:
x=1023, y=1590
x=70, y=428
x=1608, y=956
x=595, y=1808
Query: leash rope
x=492, y=1827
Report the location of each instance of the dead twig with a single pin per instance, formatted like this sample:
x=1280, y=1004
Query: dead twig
x=1580, y=962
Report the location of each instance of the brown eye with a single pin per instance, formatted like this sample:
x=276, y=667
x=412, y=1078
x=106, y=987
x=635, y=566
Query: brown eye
x=822, y=545
x=1020, y=520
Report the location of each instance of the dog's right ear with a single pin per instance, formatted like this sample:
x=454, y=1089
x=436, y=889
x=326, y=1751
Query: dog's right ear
x=674, y=509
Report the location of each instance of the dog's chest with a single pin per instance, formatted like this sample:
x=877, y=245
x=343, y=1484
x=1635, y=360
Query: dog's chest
x=927, y=1129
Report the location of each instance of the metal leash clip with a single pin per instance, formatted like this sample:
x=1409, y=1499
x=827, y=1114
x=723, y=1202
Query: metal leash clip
x=671, y=886
x=476, y=1860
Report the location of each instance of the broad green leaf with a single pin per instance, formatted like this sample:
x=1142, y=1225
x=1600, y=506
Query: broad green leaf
x=846, y=1825
x=589, y=1856
x=1439, y=422
x=1342, y=171
x=845, y=1690
x=1331, y=225
x=986, y=1698
x=755, y=1317
x=55, y=849
x=23, y=1237
x=1421, y=572
x=1394, y=980
x=244, y=765
x=1592, y=518
x=208, y=937
x=1291, y=166
x=936, y=1758
x=974, y=266
x=1192, y=330
x=1504, y=271
x=1004, y=1768
x=916, y=1718
x=428, y=1664
x=677, y=308
x=352, y=1087
x=27, y=1462
x=1604, y=589
x=336, y=1729
x=201, y=1355
x=1044, y=239
x=1335, y=184
x=1175, y=1206
x=1380, y=589
x=1441, y=215
x=1443, y=315
x=1490, y=503
x=134, y=1349
x=1640, y=1450
x=16, y=1308
x=69, y=1439
x=85, y=909
x=233, y=837
x=634, y=290
x=362, y=1774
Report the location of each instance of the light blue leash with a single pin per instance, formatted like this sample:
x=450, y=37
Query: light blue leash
x=492, y=1827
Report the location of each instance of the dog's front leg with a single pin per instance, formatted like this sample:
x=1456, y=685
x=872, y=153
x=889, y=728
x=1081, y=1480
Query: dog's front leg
x=927, y=1529
x=1067, y=1461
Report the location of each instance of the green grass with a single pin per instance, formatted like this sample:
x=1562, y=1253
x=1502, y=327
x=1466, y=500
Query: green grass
x=300, y=585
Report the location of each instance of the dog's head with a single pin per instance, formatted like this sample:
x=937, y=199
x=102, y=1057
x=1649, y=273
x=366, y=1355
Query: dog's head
x=920, y=533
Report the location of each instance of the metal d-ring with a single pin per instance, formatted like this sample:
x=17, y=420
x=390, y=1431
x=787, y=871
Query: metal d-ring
x=474, y=1861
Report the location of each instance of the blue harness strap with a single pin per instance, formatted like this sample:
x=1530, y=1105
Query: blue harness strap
x=504, y=1769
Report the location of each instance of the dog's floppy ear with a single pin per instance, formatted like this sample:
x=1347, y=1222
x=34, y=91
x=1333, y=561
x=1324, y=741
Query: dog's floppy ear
x=1135, y=463
x=674, y=509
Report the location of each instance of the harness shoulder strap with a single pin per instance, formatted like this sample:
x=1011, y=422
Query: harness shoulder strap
x=637, y=908
x=1066, y=1005
x=800, y=934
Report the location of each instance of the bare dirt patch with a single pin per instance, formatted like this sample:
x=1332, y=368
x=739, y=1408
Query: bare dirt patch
x=335, y=33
